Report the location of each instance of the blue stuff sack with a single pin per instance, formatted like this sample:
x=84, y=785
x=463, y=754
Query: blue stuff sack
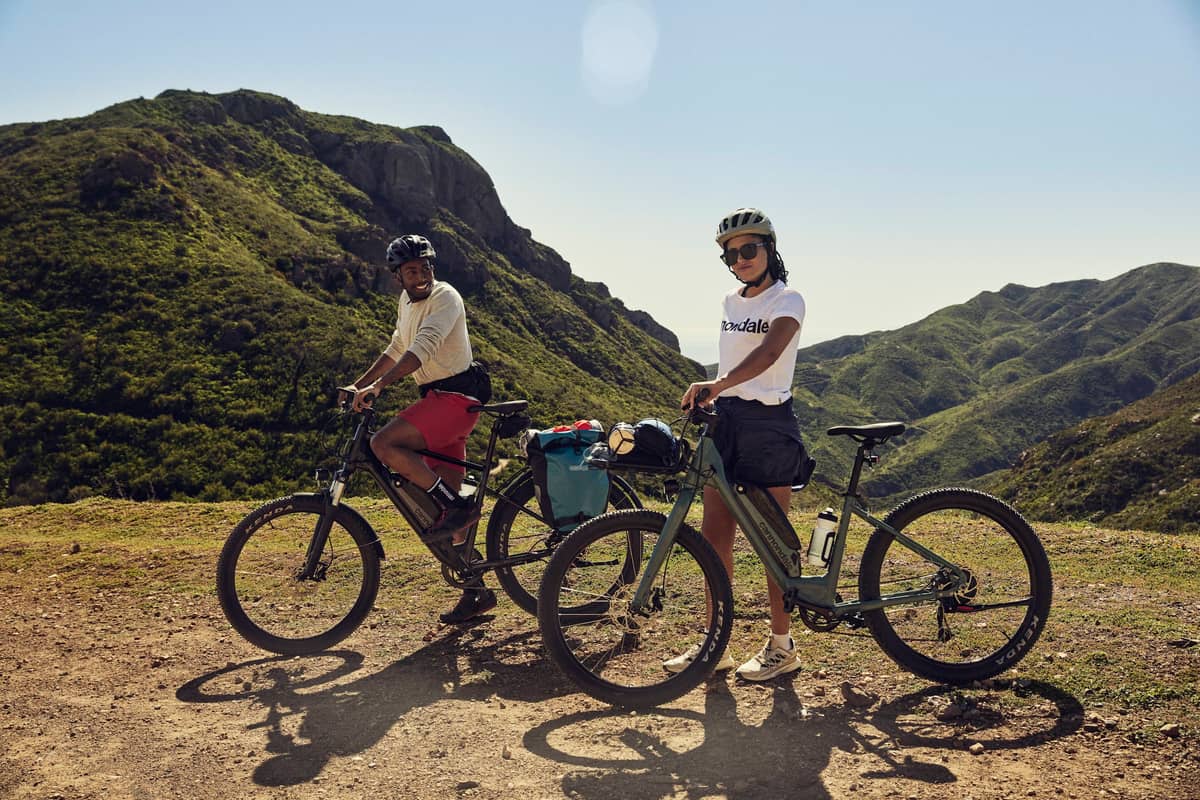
x=568, y=491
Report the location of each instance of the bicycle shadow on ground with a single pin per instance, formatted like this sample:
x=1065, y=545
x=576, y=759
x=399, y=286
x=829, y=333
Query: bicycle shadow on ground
x=664, y=753
x=348, y=717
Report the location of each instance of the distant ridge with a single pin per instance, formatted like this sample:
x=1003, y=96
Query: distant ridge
x=982, y=381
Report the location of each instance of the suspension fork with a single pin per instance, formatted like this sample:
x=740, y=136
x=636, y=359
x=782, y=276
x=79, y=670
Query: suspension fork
x=320, y=536
x=331, y=497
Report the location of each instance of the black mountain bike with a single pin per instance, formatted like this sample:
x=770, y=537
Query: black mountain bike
x=300, y=573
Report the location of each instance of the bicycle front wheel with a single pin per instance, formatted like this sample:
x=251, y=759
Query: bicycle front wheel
x=261, y=593
x=991, y=620
x=516, y=534
x=613, y=653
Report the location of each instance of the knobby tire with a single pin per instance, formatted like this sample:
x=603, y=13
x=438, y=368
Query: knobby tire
x=258, y=590
x=980, y=632
x=616, y=656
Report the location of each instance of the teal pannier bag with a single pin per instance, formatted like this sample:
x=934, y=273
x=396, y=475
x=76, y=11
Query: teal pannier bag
x=569, y=492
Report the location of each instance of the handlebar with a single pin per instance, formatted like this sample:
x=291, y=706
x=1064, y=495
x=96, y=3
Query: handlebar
x=698, y=415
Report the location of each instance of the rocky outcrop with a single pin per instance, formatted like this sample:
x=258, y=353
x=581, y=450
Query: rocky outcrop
x=417, y=174
x=253, y=108
x=412, y=176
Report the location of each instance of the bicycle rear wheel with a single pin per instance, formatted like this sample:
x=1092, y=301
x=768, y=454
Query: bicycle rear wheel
x=264, y=599
x=514, y=532
x=608, y=651
x=988, y=624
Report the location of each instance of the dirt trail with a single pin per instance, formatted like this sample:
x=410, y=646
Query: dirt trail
x=114, y=693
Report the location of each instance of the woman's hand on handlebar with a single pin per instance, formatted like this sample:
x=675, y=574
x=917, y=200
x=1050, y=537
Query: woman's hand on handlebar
x=702, y=393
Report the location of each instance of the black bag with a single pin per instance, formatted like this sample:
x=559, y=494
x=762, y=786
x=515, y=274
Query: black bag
x=655, y=448
x=474, y=381
x=804, y=471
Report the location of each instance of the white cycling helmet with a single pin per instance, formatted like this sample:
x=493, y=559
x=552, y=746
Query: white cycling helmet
x=745, y=220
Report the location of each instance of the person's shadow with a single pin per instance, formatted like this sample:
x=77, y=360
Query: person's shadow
x=657, y=753
x=349, y=717
x=714, y=752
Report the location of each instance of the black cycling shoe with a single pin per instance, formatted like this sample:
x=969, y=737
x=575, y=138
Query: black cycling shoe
x=472, y=603
x=453, y=519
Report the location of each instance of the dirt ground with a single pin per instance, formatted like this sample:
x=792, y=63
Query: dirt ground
x=110, y=690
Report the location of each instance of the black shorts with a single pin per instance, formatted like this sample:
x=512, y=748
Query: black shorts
x=759, y=444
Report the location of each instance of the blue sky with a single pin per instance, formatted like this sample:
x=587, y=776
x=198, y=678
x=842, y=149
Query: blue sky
x=911, y=154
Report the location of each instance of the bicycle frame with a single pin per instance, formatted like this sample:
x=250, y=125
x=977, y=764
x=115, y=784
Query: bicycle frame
x=357, y=454
x=815, y=592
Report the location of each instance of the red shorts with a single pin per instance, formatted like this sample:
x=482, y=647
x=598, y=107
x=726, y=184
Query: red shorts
x=444, y=422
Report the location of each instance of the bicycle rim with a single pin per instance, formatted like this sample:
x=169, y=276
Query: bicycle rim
x=266, y=602
x=992, y=620
x=611, y=653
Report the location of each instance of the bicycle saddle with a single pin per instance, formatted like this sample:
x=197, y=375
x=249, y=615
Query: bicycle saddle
x=877, y=433
x=503, y=409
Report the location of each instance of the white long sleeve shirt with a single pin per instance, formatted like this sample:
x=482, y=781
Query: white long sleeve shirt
x=435, y=331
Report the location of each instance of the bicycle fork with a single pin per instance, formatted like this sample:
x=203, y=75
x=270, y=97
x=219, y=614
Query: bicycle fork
x=314, y=568
x=645, y=594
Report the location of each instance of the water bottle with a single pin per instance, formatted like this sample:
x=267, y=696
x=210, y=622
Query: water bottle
x=820, y=546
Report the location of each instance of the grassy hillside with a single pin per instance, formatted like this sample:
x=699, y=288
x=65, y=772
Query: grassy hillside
x=981, y=381
x=1137, y=468
x=185, y=281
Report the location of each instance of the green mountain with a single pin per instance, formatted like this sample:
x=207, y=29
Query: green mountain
x=1136, y=468
x=982, y=381
x=187, y=279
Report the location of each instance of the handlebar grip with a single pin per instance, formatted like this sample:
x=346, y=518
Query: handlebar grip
x=345, y=400
x=696, y=414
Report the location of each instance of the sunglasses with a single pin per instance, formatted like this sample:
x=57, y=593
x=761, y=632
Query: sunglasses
x=746, y=252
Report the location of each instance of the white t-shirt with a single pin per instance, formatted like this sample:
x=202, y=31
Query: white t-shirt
x=435, y=330
x=744, y=324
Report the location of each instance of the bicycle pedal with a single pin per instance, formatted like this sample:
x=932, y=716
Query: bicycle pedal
x=854, y=621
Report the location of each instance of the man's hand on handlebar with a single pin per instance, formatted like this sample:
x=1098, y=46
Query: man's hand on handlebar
x=357, y=399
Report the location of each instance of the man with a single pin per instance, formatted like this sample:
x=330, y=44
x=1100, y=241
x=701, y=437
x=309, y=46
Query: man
x=430, y=343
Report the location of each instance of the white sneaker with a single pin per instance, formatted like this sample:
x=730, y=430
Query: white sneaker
x=769, y=662
x=680, y=663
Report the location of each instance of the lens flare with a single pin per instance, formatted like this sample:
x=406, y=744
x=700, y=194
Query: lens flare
x=620, y=38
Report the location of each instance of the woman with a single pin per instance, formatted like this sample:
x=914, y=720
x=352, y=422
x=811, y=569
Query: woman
x=757, y=434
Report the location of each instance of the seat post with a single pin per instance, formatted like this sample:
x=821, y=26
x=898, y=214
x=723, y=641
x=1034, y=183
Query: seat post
x=861, y=457
x=488, y=464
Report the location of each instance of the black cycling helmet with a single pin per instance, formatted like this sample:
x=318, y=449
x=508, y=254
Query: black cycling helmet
x=408, y=248
x=653, y=440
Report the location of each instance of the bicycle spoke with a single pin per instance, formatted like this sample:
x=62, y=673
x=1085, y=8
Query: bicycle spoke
x=998, y=590
x=590, y=629
x=268, y=603
x=522, y=542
